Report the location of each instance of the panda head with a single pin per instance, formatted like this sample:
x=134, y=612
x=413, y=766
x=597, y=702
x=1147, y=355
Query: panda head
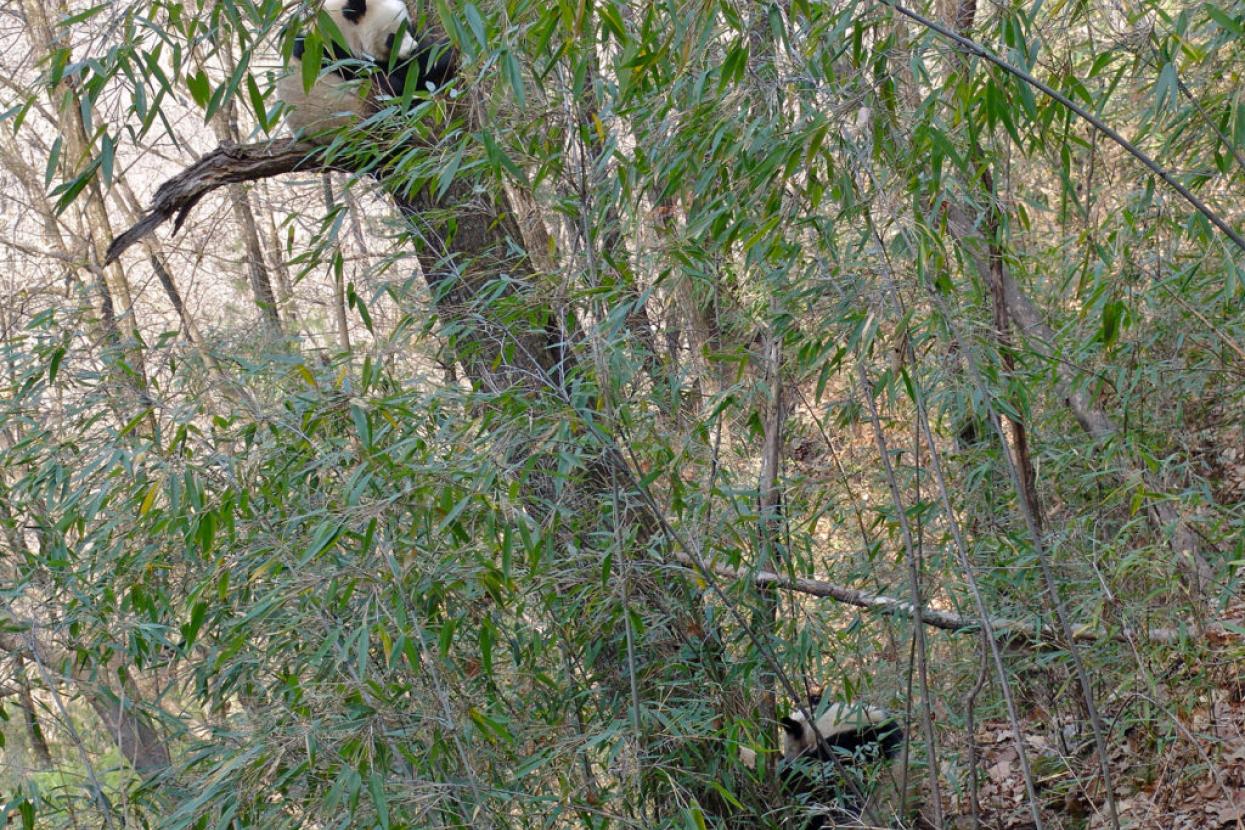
x=370, y=27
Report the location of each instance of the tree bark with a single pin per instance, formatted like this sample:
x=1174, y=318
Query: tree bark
x=130, y=730
x=225, y=126
x=127, y=725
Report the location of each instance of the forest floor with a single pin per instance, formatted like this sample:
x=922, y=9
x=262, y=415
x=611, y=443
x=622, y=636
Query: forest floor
x=1184, y=772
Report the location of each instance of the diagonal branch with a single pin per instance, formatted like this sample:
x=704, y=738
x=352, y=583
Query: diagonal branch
x=1009, y=631
x=227, y=164
x=1101, y=126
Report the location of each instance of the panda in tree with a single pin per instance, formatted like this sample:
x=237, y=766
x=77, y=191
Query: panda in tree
x=378, y=46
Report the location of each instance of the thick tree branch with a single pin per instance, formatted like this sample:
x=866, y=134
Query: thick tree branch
x=227, y=164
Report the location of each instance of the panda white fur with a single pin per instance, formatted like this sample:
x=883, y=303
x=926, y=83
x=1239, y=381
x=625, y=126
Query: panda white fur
x=852, y=734
x=339, y=97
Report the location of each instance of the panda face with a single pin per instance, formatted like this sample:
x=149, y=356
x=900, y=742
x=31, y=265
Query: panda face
x=377, y=56
x=371, y=26
x=798, y=737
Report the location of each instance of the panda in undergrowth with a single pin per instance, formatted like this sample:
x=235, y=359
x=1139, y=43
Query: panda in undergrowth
x=379, y=55
x=860, y=738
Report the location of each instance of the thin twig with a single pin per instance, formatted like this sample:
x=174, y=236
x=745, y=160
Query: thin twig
x=914, y=587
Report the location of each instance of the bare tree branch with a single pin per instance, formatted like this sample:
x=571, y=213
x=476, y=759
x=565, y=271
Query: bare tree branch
x=1013, y=632
x=227, y=164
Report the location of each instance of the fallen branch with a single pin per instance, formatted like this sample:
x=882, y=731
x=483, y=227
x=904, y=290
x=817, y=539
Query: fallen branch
x=227, y=164
x=1014, y=632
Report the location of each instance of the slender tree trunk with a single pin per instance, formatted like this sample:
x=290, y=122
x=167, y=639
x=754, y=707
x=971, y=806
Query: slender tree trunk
x=225, y=126
x=257, y=270
x=769, y=505
x=1002, y=335
x=285, y=285
x=339, y=273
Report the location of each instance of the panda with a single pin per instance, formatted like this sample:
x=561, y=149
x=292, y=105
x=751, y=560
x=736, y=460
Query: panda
x=339, y=96
x=854, y=736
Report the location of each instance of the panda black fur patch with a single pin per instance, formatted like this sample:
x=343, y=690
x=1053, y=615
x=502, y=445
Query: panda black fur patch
x=354, y=10
x=433, y=66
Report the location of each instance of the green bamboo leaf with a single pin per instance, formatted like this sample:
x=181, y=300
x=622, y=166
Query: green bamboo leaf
x=354, y=301
x=258, y=106
x=446, y=177
x=107, y=156
x=1228, y=24
x=200, y=87
x=376, y=786
x=476, y=22
x=313, y=54
x=190, y=631
x=514, y=76
x=326, y=534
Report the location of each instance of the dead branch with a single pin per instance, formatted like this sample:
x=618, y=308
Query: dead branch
x=1013, y=632
x=227, y=164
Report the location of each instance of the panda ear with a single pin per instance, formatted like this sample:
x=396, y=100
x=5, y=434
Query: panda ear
x=354, y=10
x=792, y=727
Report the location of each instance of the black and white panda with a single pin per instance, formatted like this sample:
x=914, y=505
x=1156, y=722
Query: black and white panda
x=340, y=96
x=857, y=737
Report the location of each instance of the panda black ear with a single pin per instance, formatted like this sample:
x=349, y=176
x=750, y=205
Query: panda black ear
x=354, y=10
x=792, y=727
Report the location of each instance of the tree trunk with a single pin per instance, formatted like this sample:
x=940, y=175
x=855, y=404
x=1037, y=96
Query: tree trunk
x=225, y=125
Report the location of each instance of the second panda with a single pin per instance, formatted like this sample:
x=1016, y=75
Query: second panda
x=339, y=96
x=856, y=736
